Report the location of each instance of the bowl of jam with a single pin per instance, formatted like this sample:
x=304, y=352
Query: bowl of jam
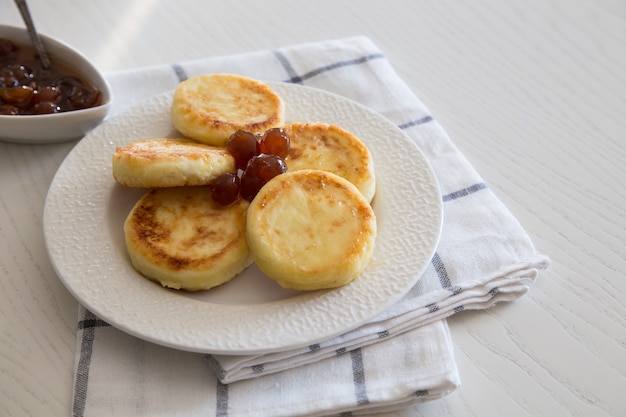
x=39, y=105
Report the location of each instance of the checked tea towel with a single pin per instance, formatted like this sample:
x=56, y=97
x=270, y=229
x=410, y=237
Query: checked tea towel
x=403, y=356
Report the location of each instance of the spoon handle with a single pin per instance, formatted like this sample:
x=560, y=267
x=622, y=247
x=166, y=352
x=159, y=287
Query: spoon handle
x=23, y=7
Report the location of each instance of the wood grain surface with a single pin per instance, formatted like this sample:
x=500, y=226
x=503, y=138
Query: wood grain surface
x=533, y=93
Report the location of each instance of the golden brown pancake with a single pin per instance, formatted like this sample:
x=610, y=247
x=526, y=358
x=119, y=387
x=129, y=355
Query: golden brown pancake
x=310, y=230
x=211, y=107
x=180, y=238
x=331, y=148
x=150, y=163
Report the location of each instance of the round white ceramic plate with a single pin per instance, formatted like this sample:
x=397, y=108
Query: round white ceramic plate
x=85, y=210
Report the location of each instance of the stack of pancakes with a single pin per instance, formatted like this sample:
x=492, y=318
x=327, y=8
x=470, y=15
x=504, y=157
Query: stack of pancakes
x=310, y=228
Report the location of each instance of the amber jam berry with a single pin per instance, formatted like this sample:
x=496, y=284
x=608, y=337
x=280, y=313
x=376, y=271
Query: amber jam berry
x=242, y=146
x=259, y=171
x=225, y=189
x=275, y=141
x=257, y=159
x=6, y=47
x=27, y=88
x=250, y=186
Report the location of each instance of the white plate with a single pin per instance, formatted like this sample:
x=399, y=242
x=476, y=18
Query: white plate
x=85, y=209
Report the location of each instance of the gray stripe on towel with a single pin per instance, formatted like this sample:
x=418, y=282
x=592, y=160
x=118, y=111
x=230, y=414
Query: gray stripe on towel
x=180, y=72
x=221, y=397
x=358, y=376
x=84, y=362
x=298, y=79
x=416, y=122
x=465, y=191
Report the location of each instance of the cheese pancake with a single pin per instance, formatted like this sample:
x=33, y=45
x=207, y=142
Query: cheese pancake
x=311, y=230
x=180, y=238
x=151, y=163
x=211, y=107
x=331, y=148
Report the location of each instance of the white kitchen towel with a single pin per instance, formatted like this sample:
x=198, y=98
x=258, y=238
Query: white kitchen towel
x=402, y=357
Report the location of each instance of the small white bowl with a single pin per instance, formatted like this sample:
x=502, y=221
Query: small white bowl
x=55, y=127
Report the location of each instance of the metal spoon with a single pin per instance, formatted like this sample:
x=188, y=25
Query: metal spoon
x=45, y=60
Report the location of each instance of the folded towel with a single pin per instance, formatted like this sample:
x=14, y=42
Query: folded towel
x=403, y=356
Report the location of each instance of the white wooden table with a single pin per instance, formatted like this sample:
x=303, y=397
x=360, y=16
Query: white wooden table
x=533, y=93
